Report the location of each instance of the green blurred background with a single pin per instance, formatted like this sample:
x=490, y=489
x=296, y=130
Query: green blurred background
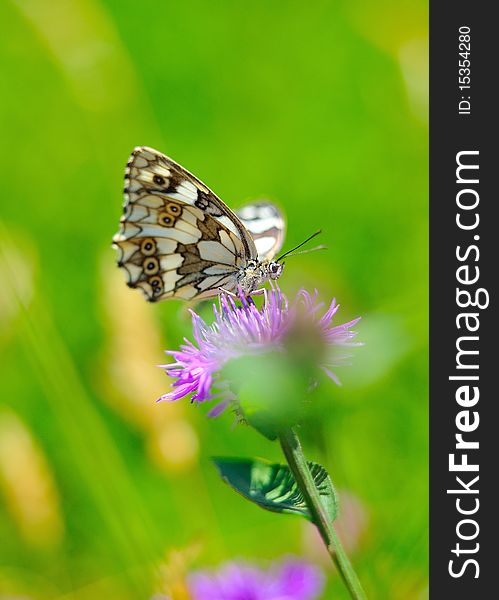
x=320, y=106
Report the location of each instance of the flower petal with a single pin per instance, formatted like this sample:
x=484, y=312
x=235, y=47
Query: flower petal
x=244, y=329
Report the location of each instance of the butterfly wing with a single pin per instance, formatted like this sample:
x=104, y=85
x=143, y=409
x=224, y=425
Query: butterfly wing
x=177, y=238
x=265, y=223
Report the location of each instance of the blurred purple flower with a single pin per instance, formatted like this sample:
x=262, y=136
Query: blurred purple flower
x=290, y=579
x=242, y=330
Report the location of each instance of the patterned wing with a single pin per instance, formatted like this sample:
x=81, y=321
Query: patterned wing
x=266, y=225
x=177, y=239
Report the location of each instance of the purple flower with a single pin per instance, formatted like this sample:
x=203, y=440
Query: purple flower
x=290, y=579
x=245, y=330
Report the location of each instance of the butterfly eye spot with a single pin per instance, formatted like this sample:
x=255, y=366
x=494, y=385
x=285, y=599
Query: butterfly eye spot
x=173, y=209
x=156, y=284
x=159, y=180
x=148, y=247
x=166, y=220
x=151, y=265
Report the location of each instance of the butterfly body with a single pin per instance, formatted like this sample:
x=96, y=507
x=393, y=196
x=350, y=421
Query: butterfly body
x=179, y=240
x=256, y=274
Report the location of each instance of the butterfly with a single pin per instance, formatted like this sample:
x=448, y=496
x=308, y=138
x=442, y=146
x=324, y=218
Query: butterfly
x=178, y=239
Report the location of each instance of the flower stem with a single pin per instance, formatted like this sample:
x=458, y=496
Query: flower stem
x=297, y=462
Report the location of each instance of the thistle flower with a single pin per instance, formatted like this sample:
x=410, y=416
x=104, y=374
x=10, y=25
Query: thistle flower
x=242, y=329
x=290, y=579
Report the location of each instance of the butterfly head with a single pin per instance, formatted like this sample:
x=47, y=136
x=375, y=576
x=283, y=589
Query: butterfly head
x=275, y=269
x=256, y=273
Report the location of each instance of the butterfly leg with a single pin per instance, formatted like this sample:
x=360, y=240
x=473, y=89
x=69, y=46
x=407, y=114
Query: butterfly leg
x=222, y=290
x=261, y=292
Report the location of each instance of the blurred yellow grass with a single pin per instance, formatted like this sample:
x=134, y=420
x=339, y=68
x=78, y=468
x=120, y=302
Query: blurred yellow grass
x=173, y=573
x=132, y=380
x=27, y=484
x=79, y=423
x=17, y=262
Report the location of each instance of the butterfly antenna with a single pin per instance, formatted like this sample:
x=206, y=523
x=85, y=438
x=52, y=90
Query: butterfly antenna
x=311, y=237
x=321, y=247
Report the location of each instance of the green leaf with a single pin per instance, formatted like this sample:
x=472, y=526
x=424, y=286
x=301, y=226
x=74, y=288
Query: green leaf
x=273, y=486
